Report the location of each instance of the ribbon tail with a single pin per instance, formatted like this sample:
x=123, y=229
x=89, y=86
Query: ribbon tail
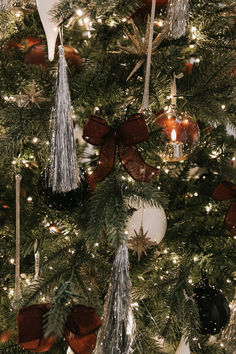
x=230, y=219
x=105, y=163
x=135, y=165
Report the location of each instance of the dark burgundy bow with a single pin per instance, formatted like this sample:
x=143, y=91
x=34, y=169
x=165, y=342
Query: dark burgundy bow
x=80, y=329
x=227, y=191
x=131, y=132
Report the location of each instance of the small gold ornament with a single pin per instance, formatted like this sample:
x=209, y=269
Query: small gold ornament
x=139, y=243
x=31, y=96
x=140, y=44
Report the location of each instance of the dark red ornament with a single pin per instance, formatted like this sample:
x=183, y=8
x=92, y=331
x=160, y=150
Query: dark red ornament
x=4, y=211
x=182, y=133
x=37, y=55
x=23, y=44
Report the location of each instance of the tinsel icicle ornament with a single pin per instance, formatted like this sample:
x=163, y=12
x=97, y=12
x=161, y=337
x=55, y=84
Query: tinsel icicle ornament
x=177, y=18
x=64, y=175
x=229, y=334
x=116, y=333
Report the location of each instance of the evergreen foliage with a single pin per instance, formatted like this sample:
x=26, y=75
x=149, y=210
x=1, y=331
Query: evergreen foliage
x=76, y=259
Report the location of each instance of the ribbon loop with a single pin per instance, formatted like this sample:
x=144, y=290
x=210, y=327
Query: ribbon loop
x=131, y=132
x=95, y=130
x=227, y=191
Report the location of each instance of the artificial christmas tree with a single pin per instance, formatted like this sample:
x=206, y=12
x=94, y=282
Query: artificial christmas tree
x=147, y=303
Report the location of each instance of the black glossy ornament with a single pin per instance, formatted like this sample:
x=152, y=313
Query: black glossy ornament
x=63, y=201
x=213, y=308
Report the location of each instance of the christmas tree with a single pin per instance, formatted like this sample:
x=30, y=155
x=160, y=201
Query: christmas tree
x=117, y=176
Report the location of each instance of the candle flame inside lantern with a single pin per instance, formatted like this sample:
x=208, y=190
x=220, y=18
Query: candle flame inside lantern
x=173, y=135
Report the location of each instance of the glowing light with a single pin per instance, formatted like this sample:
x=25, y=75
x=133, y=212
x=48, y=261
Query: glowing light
x=190, y=281
x=112, y=23
x=86, y=20
x=173, y=135
x=165, y=251
x=35, y=140
x=29, y=199
x=223, y=106
x=194, y=29
x=12, y=261
x=196, y=194
x=79, y=12
x=191, y=46
x=99, y=20
x=14, y=162
x=53, y=229
x=197, y=60
x=124, y=19
x=195, y=258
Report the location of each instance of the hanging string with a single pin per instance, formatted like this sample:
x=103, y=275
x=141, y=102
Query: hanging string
x=145, y=102
x=36, y=259
x=174, y=90
x=17, y=292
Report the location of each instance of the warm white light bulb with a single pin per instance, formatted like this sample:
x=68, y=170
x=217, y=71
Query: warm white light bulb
x=79, y=12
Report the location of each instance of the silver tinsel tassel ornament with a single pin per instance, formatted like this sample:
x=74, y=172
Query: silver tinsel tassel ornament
x=117, y=331
x=63, y=176
x=178, y=17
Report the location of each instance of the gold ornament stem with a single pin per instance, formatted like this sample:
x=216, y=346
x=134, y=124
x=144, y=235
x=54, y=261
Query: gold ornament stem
x=17, y=292
x=145, y=102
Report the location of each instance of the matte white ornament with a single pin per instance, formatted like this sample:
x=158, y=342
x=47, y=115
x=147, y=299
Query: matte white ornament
x=51, y=28
x=151, y=218
x=183, y=347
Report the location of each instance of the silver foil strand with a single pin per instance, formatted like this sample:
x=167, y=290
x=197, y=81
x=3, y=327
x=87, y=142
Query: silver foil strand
x=117, y=331
x=63, y=176
x=178, y=17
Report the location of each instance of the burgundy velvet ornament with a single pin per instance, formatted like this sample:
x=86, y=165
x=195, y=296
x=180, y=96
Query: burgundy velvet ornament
x=81, y=324
x=30, y=328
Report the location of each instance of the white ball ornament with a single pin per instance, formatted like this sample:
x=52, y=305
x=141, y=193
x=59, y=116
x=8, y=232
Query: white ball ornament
x=151, y=218
x=183, y=347
x=50, y=26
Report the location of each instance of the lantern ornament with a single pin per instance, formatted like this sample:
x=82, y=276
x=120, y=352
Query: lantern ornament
x=182, y=132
